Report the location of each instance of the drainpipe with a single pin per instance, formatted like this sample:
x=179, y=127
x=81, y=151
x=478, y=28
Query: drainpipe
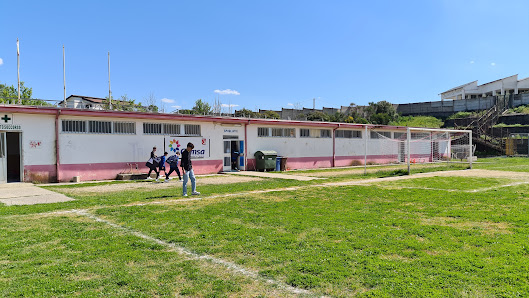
x=57, y=155
x=246, y=145
x=334, y=145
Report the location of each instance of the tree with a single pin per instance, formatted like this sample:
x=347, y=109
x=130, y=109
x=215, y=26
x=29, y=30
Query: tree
x=271, y=115
x=381, y=112
x=318, y=116
x=9, y=95
x=201, y=108
x=246, y=113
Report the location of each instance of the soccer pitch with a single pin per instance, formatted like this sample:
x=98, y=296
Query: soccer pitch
x=442, y=233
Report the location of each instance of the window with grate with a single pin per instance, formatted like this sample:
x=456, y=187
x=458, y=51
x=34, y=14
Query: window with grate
x=325, y=133
x=171, y=129
x=304, y=133
x=263, y=132
x=152, y=128
x=289, y=132
x=400, y=135
x=420, y=135
x=192, y=129
x=99, y=126
x=125, y=128
x=349, y=134
x=73, y=126
x=277, y=132
x=380, y=134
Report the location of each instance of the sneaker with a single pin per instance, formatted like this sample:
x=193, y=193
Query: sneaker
x=149, y=178
x=157, y=180
x=180, y=180
x=195, y=193
x=185, y=195
x=167, y=179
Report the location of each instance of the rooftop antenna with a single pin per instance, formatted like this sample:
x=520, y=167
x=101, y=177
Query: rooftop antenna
x=109, y=91
x=64, y=73
x=18, y=70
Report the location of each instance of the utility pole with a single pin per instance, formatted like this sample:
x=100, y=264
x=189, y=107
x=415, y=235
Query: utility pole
x=64, y=73
x=18, y=71
x=314, y=104
x=109, y=91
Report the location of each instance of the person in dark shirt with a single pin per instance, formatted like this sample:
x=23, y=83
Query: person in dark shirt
x=234, y=159
x=187, y=170
x=152, y=164
x=173, y=166
x=163, y=158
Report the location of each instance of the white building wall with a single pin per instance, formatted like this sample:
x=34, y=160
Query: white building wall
x=40, y=131
x=289, y=147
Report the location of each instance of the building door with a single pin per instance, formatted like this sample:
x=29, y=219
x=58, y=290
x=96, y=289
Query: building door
x=233, y=146
x=3, y=158
x=13, y=155
x=241, y=158
x=227, y=156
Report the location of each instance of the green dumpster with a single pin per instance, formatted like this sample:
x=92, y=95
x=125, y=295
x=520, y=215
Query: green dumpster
x=265, y=160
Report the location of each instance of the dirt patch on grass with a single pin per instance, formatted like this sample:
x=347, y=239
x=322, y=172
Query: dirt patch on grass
x=218, y=179
x=484, y=174
x=486, y=226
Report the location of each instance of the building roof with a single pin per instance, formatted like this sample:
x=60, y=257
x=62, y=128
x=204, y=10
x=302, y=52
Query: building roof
x=59, y=111
x=94, y=99
x=458, y=87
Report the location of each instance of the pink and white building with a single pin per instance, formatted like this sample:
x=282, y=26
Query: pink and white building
x=57, y=144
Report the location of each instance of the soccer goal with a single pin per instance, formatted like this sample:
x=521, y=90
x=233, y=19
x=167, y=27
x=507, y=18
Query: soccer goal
x=418, y=147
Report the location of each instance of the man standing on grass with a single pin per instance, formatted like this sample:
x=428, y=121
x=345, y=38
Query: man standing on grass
x=187, y=170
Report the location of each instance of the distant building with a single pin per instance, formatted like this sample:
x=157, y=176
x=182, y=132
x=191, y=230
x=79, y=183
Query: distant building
x=471, y=90
x=90, y=103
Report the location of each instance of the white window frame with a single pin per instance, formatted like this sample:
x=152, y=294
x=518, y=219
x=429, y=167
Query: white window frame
x=150, y=126
x=192, y=129
x=73, y=124
x=124, y=128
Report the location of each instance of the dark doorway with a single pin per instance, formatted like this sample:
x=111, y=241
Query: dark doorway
x=235, y=153
x=13, y=156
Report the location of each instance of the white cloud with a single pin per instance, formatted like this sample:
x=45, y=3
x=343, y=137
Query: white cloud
x=229, y=106
x=227, y=92
x=493, y=64
x=167, y=100
x=176, y=107
x=290, y=104
x=1, y=61
x=472, y=62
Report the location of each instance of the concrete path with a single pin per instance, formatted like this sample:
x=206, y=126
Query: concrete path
x=28, y=194
x=273, y=175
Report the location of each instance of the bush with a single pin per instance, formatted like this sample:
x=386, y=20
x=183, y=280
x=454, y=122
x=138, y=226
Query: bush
x=418, y=121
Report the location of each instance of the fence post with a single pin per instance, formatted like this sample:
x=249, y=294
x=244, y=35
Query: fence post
x=365, y=150
x=470, y=152
x=408, y=137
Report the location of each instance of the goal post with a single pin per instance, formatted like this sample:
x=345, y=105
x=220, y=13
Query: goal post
x=418, y=148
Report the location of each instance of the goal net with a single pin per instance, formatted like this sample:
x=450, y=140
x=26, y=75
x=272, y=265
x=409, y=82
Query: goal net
x=418, y=148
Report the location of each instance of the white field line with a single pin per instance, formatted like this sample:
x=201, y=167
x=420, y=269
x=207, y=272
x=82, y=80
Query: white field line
x=229, y=265
x=454, y=190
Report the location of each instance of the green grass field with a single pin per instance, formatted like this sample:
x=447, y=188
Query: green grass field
x=459, y=234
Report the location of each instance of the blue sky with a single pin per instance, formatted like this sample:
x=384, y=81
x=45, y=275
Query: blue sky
x=272, y=53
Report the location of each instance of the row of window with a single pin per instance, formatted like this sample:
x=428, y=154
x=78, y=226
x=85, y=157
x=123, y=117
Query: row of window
x=276, y=132
x=327, y=133
x=115, y=127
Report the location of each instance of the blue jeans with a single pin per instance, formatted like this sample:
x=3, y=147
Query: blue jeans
x=187, y=175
